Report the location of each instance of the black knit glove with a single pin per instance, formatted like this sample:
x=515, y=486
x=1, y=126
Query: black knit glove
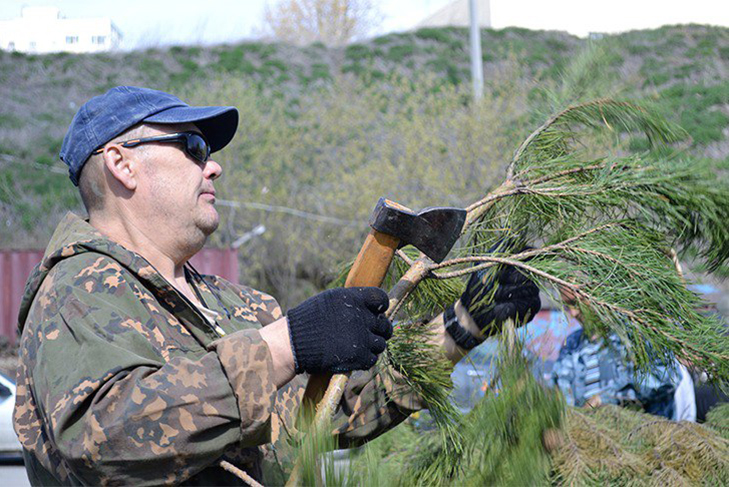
x=339, y=330
x=492, y=296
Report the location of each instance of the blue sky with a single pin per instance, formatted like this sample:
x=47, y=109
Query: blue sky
x=163, y=22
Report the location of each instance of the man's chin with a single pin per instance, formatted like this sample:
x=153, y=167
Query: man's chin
x=209, y=227
x=209, y=222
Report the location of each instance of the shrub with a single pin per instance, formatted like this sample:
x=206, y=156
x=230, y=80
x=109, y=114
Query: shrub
x=276, y=64
x=354, y=68
x=400, y=52
x=320, y=71
x=357, y=52
x=151, y=68
x=696, y=108
x=556, y=45
x=433, y=34
x=341, y=147
x=8, y=120
x=445, y=66
x=234, y=61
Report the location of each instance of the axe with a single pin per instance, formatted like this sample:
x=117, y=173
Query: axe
x=433, y=231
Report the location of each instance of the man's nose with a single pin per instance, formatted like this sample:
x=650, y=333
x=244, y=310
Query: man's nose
x=213, y=170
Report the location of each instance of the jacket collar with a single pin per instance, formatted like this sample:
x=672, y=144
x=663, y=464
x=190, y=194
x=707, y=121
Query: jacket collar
x=75, y=236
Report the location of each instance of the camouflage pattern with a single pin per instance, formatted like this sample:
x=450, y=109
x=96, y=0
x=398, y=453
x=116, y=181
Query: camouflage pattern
x=123, y=381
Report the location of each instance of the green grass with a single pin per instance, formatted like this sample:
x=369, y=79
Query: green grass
x=698, y=109
x=433, y=34
x=276, y=65
x=8, y=120
x=234, y=61
x=320, y=71
x=398, y=53
x=358, y=52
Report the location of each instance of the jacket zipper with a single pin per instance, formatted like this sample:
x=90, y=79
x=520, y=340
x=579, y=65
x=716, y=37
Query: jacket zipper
x=219, y=332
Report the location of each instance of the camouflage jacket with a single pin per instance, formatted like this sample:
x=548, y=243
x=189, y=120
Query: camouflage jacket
x=123, y=381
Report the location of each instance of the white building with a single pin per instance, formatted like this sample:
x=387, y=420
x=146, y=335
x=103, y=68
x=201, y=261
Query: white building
x=458, y=14
x=42, y=30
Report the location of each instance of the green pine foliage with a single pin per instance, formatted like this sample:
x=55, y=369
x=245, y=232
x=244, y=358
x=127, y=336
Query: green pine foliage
x=606, y=226
x=501, y=438
x=601, y=228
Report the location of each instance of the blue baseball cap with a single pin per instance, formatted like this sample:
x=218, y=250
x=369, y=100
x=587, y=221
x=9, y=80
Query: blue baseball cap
x=104, y=117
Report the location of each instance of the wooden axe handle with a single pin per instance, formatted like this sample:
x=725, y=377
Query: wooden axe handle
x=369, y=269
x=373, y=260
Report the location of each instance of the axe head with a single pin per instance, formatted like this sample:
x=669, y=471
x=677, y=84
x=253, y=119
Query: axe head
x=433, y=230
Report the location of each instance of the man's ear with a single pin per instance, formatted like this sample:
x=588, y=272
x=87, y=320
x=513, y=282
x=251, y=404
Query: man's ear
x=123, y=168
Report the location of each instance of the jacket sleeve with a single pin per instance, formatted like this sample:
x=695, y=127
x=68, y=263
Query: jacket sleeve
x=264, y=306
x=374, y=401
x=121, y=413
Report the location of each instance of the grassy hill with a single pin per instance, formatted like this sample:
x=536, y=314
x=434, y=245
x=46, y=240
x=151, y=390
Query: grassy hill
x=401, y=100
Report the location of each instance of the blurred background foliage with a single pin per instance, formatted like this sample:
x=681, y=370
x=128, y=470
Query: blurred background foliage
x=326, y=131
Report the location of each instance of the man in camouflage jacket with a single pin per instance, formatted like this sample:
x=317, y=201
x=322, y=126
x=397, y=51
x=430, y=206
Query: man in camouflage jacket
x=137, y=370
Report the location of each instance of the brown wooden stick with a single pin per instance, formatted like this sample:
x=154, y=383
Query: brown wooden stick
x=677, y=265
x=369, y=269
x=229, y=467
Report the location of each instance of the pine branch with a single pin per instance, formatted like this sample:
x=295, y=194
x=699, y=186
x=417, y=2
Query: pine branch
x=604, y=229
x=553, y=138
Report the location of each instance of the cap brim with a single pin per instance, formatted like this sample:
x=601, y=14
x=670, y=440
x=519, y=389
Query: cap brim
x=217, y=124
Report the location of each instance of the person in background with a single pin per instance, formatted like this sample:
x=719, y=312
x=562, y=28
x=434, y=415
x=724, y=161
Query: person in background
x=591, y=371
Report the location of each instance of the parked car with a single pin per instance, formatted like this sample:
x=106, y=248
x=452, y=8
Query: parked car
x=10, y=448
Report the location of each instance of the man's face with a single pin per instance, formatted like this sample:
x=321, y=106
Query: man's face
x=177, y=190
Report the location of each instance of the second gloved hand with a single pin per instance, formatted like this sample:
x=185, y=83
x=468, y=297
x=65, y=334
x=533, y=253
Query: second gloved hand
x=493, y=296
x=339, y=330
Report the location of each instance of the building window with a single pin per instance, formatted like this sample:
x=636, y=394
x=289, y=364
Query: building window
x=71, y=39
x=98, y=40
x=11, y=46
x=31, y=45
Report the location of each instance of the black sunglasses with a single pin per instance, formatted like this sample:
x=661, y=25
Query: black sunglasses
x=195, y=144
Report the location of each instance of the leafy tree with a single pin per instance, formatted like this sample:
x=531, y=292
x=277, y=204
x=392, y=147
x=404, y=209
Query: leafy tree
x=332, y=22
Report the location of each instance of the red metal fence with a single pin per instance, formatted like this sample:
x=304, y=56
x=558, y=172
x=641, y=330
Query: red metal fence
x=16, y=265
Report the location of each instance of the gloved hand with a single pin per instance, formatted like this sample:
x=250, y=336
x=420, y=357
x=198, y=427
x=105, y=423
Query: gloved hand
x=339, y=330
x=492, y=296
